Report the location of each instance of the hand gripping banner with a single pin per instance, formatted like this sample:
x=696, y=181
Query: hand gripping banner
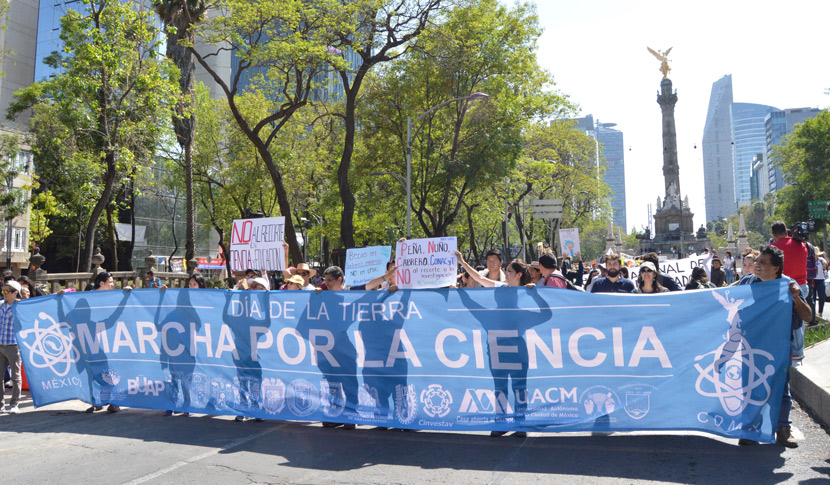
x=542, y=359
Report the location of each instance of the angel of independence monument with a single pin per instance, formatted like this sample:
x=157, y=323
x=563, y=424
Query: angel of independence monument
x=673, y=220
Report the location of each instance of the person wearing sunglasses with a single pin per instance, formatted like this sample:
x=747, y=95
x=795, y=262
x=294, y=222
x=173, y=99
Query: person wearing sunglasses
x=9, y=352
x=647, y=280
x=302, y=270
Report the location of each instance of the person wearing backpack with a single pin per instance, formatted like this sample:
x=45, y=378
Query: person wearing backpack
x=551, y=276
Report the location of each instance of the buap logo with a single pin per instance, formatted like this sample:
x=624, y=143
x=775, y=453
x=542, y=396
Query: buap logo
x=436, y=401
x=406, y=403
x=485, y=401
x=731, y=363
x=52, y=347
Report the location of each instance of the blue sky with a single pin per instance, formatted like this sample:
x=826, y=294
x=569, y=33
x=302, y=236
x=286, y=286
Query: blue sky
x=596, y=50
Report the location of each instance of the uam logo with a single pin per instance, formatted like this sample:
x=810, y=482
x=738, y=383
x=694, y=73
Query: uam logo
x=143, y=385
x=485, y=401
x=406, y=403
x=731, y=363
x=52, y=347
x=436, y=401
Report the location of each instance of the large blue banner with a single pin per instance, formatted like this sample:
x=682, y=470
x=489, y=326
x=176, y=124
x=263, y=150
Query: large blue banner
x=542, y=359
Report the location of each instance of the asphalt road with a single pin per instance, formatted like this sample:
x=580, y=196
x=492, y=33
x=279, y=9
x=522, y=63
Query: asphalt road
x=61, y=444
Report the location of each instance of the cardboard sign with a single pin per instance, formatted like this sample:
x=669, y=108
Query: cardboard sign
x=679, y=269
x=569, y=242
x=257, y=244
x=426, y=263
x=366, y=264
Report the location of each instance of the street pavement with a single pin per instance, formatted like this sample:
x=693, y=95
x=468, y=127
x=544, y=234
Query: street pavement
x=61, y=444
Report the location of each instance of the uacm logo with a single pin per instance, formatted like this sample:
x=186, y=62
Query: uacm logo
x=485, y=401
x=732, y=372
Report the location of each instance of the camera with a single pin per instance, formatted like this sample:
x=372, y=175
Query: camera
x=800, y=230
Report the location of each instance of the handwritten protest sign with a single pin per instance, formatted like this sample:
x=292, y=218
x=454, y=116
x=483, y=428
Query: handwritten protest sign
x=257, y=244
x=426, y=263
x=569, y=241
x=365, y=264
x=679, y=269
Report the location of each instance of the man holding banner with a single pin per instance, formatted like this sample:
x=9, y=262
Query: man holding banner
x=770, y=266
x=9, y=353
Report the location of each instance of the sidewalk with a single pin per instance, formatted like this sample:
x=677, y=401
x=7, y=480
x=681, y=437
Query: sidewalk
x=811, y=379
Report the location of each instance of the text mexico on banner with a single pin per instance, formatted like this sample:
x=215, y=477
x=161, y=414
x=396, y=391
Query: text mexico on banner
x=426, y=263
x=257, y=244
x=542, y=359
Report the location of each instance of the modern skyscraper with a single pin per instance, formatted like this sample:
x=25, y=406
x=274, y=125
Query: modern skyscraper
x=748, y=140
x=778, y=124
x=718, y=180
x=612, y=150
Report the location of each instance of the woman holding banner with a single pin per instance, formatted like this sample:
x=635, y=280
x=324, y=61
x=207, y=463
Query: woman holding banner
x=517, y=274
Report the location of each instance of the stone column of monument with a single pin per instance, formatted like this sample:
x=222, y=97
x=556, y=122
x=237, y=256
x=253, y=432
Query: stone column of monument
x=610, y=239
x=743, y=237
x=671, y=170
x=731, y=245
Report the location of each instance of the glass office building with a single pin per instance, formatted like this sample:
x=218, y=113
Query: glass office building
x=748, y=140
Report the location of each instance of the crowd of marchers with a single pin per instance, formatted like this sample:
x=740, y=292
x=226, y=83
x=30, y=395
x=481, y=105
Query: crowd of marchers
x=788, y=256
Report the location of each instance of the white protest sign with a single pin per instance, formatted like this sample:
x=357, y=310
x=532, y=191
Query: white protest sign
x=257, y=244
x=426, y=263
x=366, y=264
x=679, y=269
x=569, y=241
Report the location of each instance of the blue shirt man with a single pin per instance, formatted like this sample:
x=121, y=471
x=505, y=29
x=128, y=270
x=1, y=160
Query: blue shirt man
x=613, y=282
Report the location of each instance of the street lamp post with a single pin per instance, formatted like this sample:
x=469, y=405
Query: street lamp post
x=409, y=136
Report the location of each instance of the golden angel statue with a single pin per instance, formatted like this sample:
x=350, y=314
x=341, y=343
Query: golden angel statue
x=663, y=57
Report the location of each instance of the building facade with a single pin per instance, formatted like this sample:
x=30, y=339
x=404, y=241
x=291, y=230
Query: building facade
x=611, y=149
x=18, y=38
x=718, y=179
x=748, y=140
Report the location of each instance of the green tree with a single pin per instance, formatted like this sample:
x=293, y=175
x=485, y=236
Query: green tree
x=178, y=17
x=480, y=46
x=109, y=93
x=803, y=157
x=385, y=32
x=282, y=46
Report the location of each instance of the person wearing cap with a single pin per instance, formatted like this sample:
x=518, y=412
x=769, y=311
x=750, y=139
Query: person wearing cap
x=666, y=281
x=259, y=283
x=153, y=282
x=647, y=279
x=718, y=277
x=9, y=353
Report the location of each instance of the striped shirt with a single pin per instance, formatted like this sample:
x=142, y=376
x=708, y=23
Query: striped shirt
x=7, y=325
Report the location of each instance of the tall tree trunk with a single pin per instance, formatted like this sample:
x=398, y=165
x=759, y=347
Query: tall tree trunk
x=184, y=125
x=346, y=196
x=95, y=216
x=112, y=258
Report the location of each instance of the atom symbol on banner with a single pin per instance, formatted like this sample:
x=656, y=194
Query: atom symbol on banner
x=51, y=348
x=727, y=381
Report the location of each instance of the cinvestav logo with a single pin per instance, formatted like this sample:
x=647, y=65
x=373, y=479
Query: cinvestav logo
x=52, y=347
x=731, y=363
